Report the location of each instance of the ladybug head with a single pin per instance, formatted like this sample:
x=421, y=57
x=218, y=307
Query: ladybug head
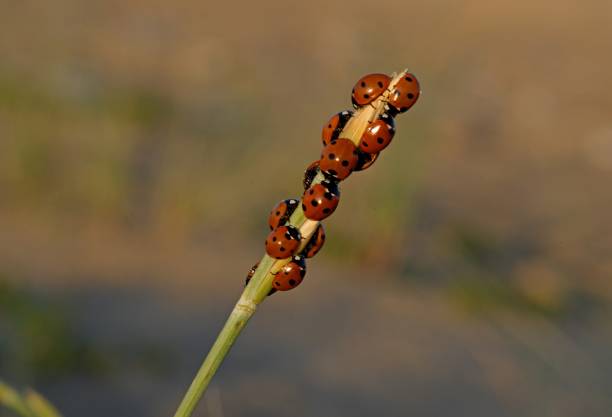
x=293, y=233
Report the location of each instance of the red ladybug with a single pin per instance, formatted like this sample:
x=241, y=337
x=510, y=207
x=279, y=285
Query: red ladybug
x=315, y=243
x=320, y=200
x=291, y=275
x=339, y=158
x=311, y=172
x=334, y=126
x=365, y=160
x=250, y=275
x=283, y=242
x=368, y=88
x=405, y=94
x=281, y=212
x=378, y=134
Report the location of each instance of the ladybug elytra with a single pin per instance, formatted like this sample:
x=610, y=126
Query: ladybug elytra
x=369, y=88
x=290, y=275
x=281, y=212
x=365, y=160
x=405, y=94
x=311, y=172
x=339, y=158
x=378, y=134
x=283, y=242
x=334, y=126
x=320, y=200
x=315, y=243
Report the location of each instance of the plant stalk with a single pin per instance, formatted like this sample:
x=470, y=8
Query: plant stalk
x=232, y=328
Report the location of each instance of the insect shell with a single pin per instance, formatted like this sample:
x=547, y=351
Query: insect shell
x=311, y=172
x=368, y=88
x=332, y=129
x=250, y=275
x=405, y=93
x=291, y=275
x=320, y=200
x=316, y=242
x=281, y=213
x=378, y=134
x=364, y=160
x=339, y=158
x=283, y=242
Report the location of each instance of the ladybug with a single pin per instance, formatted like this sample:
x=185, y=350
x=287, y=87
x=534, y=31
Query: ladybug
x=369, y=88
x=311, y=172
x=320, y=200
x=250, y=275
x=291, y=275
x=364, y=160
x=281, y=212
x=378, y=134
x=315, y=243
x=339, y=158
x=405, y=94
x=334, y=126
x=283, y=242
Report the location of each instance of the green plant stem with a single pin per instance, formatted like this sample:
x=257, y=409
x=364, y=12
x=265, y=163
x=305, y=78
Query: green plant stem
x=233, y=326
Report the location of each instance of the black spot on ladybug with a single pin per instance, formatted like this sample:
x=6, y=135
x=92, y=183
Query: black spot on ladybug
x=314, y=203
x=410, y=95
x=286, y=272
x=311, y=191
x=328, y=195
x=273, y=238
x=363, y=84
x=366, y=96
x=331, y=156
x=345, y=163
x=329, y=126
x=326, y=210
x=380, y=84
x=282, y=248
x=277, y=283
x=278, y=213
x=365, y=144
x=292, y=282
x=408, y=79
x=380, y=140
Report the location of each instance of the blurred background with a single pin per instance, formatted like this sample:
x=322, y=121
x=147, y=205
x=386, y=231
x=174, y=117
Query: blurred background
x=467, y=273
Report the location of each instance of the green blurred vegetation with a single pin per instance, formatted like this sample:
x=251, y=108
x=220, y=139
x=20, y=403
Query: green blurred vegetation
x=38, y=340
x=29, y=404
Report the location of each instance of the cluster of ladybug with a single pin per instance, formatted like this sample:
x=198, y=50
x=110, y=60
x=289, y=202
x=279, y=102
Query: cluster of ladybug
x=340, y=157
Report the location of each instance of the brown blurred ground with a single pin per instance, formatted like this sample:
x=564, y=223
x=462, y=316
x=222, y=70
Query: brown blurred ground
x=143, y=143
